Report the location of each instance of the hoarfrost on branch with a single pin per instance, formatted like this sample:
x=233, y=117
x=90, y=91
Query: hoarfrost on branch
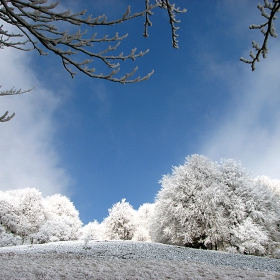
x=268, y=11
x=38, y=23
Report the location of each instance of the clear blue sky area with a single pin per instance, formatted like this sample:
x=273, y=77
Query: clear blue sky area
x=115, y=141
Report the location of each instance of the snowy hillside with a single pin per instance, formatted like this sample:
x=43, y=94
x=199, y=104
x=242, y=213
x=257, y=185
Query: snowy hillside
x=129, y=260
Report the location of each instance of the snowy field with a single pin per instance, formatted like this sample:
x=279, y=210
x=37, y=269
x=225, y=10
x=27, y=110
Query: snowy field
x=129, y=260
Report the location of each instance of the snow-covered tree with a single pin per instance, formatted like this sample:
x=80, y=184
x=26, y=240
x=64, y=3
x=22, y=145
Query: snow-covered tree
x=25, y=216
x=143, y=220
x=59, y=205
x=8, y=239
x=121, y=222
x=91, y=231
x=250, y=201
x=24, y=212
x=42, y=26
x=8, y=213
x=63, y=222
x=189, y=207
x=144, y=213
x=210, y=205
x=272, y=184
x=9, y=220
x=59, y=228
x=141, y=234
x=250, y=238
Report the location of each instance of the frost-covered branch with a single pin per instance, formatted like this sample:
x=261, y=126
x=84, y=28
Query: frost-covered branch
x=39, y=28
x=12, y=91
x=38, y=20
x=172, y=11
x=268, y=11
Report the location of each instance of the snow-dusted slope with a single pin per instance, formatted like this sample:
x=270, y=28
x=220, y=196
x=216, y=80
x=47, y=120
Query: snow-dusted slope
x=129, y=260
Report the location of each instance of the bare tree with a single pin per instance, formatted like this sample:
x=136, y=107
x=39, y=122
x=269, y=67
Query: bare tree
x=38, y=29
x=268, y=11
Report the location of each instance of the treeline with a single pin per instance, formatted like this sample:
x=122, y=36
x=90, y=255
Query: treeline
x=202, y=204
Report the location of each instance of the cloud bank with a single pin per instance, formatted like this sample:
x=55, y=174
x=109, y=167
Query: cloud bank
x=250, y=131
x=27, y=146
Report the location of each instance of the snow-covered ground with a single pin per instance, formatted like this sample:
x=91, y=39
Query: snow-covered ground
x=129, y=260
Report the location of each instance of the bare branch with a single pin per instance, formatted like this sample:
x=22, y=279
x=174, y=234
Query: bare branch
x=268, y=11
x=6, y=118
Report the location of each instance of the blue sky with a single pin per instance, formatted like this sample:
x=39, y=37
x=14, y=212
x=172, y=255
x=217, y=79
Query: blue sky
x=98, y=142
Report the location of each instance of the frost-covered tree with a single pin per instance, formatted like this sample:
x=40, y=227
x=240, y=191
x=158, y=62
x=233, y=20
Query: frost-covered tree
x=217, y=206
x=59, y=205
x=272, y=185
x=8, y=239
x=24, y=212
x=189, y=207
x=27, y=217
x=62, y=221
x=250, y=238
x=250, y=203
x=144, y=214
x=8, y=213
x=42, y=26
x=141, y=234
x=91, y=231
x=9, y=220
x=143, y=220
x=28, y=210
x=60, y=228
x=120, y=223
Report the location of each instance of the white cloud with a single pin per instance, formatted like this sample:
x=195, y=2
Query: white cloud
x=251, y=129
x=27, y=151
